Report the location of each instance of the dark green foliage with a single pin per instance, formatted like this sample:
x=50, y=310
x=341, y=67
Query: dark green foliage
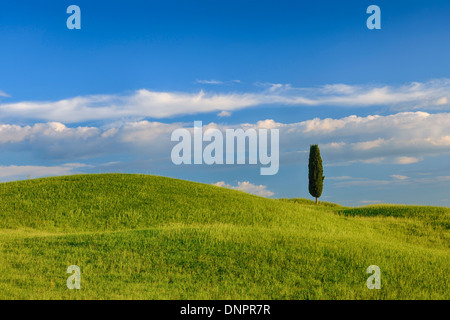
x=315, y=173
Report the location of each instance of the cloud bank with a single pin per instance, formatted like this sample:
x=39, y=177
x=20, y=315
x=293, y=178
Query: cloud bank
x=246, y=186
x=158, y=104
x=21, y=172
x=403, y=138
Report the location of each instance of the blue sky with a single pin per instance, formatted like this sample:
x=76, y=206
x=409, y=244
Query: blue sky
x=106, y=98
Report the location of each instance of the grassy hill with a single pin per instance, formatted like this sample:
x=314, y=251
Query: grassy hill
x=148, y=237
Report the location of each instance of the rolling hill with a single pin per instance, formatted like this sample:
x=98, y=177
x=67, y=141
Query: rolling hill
x=150, y=237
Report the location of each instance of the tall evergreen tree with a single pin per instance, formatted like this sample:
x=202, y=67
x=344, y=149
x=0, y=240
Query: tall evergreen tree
x=315, y=173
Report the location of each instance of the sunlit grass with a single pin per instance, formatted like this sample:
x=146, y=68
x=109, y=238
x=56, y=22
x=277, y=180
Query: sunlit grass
x=147, y=237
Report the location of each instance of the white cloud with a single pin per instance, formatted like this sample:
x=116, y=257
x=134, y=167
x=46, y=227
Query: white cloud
x=143, y=103
x=213, y=81
x=433, y=180
x=341, y=178
x=395, y=181
x=15, y=133
x=224, y=114
x=3, y=94
x=367, y=145
x=401, y=138
x=399, y=177
x=160, y=104
x=362, y=183
x=246, y=186
x=58, y=142
x=209, y=81
x=407, y=160
x=442, y=101
x=18, y=172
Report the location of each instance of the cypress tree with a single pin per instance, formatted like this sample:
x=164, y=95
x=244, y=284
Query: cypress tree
x=315, y=173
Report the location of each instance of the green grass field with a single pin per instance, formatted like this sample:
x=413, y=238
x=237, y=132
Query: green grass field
x=149, y=237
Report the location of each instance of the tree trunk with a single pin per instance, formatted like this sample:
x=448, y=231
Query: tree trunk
x=317, y=201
